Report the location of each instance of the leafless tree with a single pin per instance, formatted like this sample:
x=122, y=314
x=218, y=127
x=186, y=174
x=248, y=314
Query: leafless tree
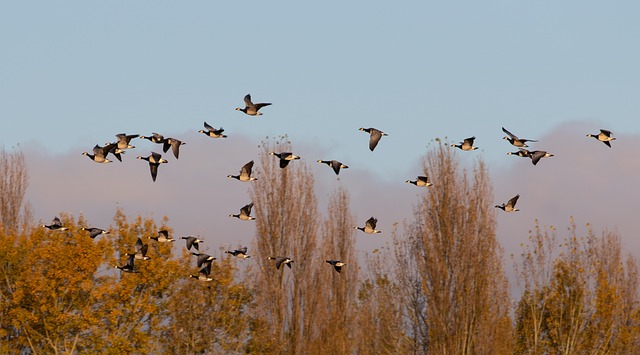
x=14, y=180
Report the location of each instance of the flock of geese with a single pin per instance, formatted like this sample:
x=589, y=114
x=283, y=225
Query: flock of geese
x=204, y=261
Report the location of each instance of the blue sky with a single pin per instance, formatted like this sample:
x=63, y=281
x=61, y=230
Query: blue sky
x=74, y=73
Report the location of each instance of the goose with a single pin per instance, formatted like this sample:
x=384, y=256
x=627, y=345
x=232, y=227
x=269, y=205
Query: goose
x=192, y=242
x=212, y=132
x=203, y=258
x=604, y=136
x=56, y=224
x=285, y=158
x=123, y=141
x=163, y=237
x=245, y=173
x=155, y=138
x=250, y=108
x=140, y=250
x=94, y=232
x=281, y=260
x=515, y=141
x=128, y=267
x=374, y=136
x=239, y=253
x=523, y=153
x=421, y=181
x=155, y=159
x=337, y=264
x=334, y=164
x=100, y=153
x=369, y=226
x=510, y=206
x=203, y=274
x=467, y=144
x=245, y=213
x=536, y=155
x=174, y=144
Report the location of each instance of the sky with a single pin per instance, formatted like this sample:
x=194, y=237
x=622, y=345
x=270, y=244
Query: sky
x=75, y=73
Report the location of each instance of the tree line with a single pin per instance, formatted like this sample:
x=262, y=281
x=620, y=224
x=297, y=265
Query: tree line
x=440, y=287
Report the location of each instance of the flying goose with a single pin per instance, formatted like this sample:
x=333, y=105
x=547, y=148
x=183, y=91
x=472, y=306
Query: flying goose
x=212, y=132
x=334, y=164
x=285, y=158
x=369, y=226
x=515, y=141
x=155, y=138
x=536, y=155
x=421, y=181
x=523, y=153
x=245, y=173
x=337, y=264
x=604, y=136
x=250, y=108
x=94, y=232
x=281, y=260
x=192, y=242
x=203, y=274
x=239, y=253
x=155, y=159
x=510, y=206
x=100, y=153
x=128, y=267
x=140, y=250
x=203, y=258
x=162, y=237
x=245, y=213
x=123, y=140
x=467, y=144
x=174, y=144
x=56, y=224
x=374, y=136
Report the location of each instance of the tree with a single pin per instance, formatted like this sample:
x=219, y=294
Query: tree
x=286, y=225
x=14, y=180
x=449, y=263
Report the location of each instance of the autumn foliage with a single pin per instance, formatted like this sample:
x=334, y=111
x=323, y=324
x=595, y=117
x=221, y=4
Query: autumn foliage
x=440, y=286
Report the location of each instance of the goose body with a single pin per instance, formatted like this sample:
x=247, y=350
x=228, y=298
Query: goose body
x=128, y=266
x=155, y=138
x=536, y=155
x=245, y=173
x=162, y=237
x=285, y=158
x=203, y=258
x=204, y=273
x=174, y=144
x=155, y=159
x=421, y=181
x=337, y=264
x=604, y=136
x=245, y=213
x=124, y=139
x=56, y=224
x=192, y=242
x=140, y=250
x=374, y=136
x=334, y=164
x=213, y=132
x=370, y=226
x=523, y=153
x=250, y=108
x=100, y=153
x=467, y=144
x=515, y=141
x=281, y=260
x=239, y=253
x=94, y=232
x=510, y=206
